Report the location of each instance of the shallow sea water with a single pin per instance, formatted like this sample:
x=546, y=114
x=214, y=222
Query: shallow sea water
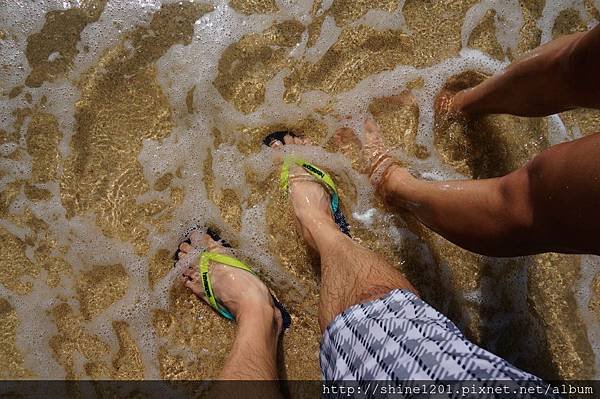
x=125, y=123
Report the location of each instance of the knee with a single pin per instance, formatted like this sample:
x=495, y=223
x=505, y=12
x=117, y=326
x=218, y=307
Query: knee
x=579, y=63
x=541, y=186
x=375, y=292
x=517, y=201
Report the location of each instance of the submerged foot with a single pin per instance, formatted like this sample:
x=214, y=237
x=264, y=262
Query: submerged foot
x=345, y=142
x=449, y=102
x=241, y=292
x=310, y=200
x=380, y=166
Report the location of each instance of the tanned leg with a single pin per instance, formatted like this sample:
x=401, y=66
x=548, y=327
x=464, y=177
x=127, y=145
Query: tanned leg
x=350, y=273
x=560, y=75
x=551, y=204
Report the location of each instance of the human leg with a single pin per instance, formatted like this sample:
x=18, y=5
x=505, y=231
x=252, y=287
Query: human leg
x=350, y=273
x=375, y=326
x=259, y=322
x=555, y=77
x=546, y=206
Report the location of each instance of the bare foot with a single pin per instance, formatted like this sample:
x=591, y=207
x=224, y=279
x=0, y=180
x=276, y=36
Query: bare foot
x=379, y=165
x=241, y=292
x=449, y=102
x=345, y=138
x=345, y=142
x=310, y=200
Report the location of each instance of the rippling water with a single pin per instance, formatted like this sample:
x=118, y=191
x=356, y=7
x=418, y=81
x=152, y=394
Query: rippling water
x=125, y=123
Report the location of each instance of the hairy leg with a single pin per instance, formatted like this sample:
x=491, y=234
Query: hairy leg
x=548, y=205
x=560, y=75
x=254, y=352
x=252, y=358
x=350, y=273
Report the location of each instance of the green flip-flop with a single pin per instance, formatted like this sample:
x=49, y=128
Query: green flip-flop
x=203, y=265
x=320, y=176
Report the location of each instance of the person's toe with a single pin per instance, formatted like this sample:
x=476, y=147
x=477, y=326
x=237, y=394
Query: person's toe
x=185, y=248
x=343, y=135
x=195, y=286
x=346, y=141
x=373, y=142
x=191, y=279
x=191, y=273
x=276, y=144
x=371, y=126
x=289, y=139
x=196, y=237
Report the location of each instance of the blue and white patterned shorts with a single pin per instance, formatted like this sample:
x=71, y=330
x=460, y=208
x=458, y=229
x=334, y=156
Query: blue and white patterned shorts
x=400, y=338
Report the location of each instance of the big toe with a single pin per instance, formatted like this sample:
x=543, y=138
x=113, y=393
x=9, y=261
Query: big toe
x=345, y=135
x=211, y=244
x=196, y=237
x=373, y=146
x=371, y=127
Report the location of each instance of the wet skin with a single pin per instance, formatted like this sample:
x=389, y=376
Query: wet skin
x=550, y=204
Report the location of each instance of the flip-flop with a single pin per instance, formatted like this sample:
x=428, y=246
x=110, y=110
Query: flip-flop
x=203, y=266
x=319, y=175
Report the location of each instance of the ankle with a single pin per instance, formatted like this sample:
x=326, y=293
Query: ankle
x=263, y=314
x=316, y=225
x=395, y=184
x=264, y=321
x=325, y=234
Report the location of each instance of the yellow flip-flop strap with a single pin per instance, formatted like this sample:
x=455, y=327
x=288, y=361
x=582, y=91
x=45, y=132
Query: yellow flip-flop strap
x=205, y=259
x=314, y=171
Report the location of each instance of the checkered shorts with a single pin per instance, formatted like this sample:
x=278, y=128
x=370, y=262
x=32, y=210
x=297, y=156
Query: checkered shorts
x=399, y=338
